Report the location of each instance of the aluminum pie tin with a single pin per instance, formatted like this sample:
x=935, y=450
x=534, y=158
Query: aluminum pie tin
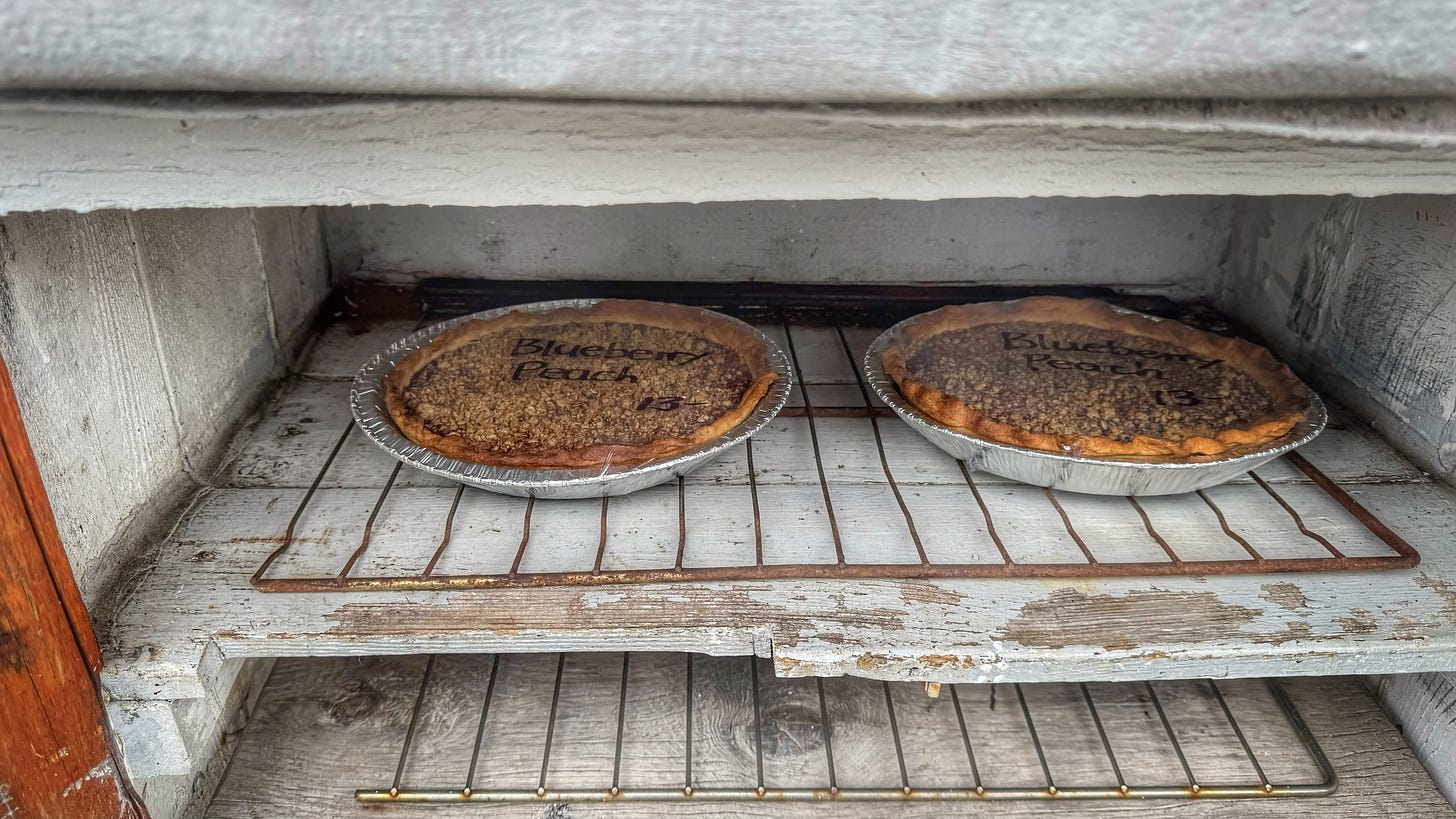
x=367, y=398
x=1095, y=476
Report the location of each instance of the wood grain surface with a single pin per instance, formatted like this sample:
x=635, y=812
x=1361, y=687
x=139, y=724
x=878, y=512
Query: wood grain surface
x=128, y=152
x=792, y=51
x=54, y=758
x=137, y=342
x=1011, y=241
x=197, y=604
x=326, y=727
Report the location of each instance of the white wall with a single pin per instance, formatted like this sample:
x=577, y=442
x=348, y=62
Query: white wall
x=1359, y=294
x=1424, y=706
x=780, y=50
x=1159, y=244
x=135, y=341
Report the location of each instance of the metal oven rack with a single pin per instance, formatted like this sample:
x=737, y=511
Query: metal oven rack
x=665, y=727
x=1270, y=550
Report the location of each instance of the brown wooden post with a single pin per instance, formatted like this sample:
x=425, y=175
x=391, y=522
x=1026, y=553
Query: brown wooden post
x=54, y=756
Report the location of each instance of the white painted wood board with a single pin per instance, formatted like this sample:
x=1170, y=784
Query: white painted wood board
x=197, y=603
x=87, y=152
x=79, y=346
x=291, y=241
x=1179, y=242
x=326, y=727
x=795, y=50
x=1361, y=293
x=1423, y=706
x=210, y=313
x=136, y=342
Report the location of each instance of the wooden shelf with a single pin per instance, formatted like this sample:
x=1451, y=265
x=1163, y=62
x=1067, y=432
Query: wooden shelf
x=323, y=728
x=88, y=152
x=194, y=607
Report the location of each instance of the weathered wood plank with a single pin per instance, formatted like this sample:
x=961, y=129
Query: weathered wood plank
x=54, y=757
x=1028, y=241
x=951, y=630
x=1361, y=295
x=88, y=153
x=206, y=290
x=296, y=261
x=1424, y=708
x=875, y=51
x=136, y=342
x=321, y=761
x=78, y=342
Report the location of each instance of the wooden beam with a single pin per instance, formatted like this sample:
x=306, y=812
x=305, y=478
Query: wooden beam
x=43, y=521
x=54, y=759
x=123, y=151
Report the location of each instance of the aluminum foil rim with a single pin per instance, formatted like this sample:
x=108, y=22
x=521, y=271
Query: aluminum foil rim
x=884, y=386
x=367, y=403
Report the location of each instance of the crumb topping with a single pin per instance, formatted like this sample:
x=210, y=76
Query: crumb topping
x=1070, y=379
x=576, y=385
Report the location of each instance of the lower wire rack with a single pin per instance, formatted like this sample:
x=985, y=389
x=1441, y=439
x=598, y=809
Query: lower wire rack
x=677, y=727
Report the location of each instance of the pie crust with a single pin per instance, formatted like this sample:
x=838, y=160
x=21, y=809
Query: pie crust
x=1287, y=404
x=402, y=393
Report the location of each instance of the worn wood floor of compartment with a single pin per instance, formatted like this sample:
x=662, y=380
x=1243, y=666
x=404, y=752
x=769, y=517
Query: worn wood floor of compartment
x=325, y=727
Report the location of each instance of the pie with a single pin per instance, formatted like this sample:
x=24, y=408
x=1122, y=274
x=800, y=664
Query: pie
x=619, y=382
x=1078, y=376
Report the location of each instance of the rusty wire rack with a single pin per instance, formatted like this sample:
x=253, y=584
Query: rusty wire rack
x=1243, y=776
x=1330, y=558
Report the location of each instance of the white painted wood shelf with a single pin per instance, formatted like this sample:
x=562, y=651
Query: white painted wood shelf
x=94, y=151
x=323, y=728
x=192, y=605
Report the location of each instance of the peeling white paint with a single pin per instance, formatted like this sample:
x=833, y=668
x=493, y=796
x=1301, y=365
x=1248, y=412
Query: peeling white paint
x=592, y=599
x=100, y=770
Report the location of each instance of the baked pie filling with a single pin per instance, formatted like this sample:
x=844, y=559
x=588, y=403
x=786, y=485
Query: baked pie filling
x=620, y=382
x=1077, y=376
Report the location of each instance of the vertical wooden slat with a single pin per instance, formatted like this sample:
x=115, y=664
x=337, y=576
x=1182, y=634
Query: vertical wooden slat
x=42, y=521
x=54, y=760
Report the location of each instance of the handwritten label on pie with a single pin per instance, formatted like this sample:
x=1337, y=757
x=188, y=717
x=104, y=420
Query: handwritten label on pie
x=667, y=403
x=1125, y=360
x=541, y=350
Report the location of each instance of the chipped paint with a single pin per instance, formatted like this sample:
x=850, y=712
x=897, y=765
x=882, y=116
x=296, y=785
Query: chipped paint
x=1287, y=596
x=1409, y=628
x=101, y=770
x=592, y=599
x=921, y=592
x=1294, y=631
x=869, y=662
x=1445, y=589
x=942, y=660
x=1070, y=617
x=1358, y=621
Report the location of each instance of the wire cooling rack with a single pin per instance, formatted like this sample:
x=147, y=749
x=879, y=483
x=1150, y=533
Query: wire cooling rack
x=1256, y=526
x=675, y=727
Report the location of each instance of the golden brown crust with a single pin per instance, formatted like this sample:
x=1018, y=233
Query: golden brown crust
x=1289, y=395
x=653, y=314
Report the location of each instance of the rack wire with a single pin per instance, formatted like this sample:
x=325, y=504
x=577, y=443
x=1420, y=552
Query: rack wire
x=1261, y=556
x=1196, y=722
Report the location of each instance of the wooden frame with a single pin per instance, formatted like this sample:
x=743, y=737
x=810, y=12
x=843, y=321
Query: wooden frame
x=99, y=152
x=54, y=755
